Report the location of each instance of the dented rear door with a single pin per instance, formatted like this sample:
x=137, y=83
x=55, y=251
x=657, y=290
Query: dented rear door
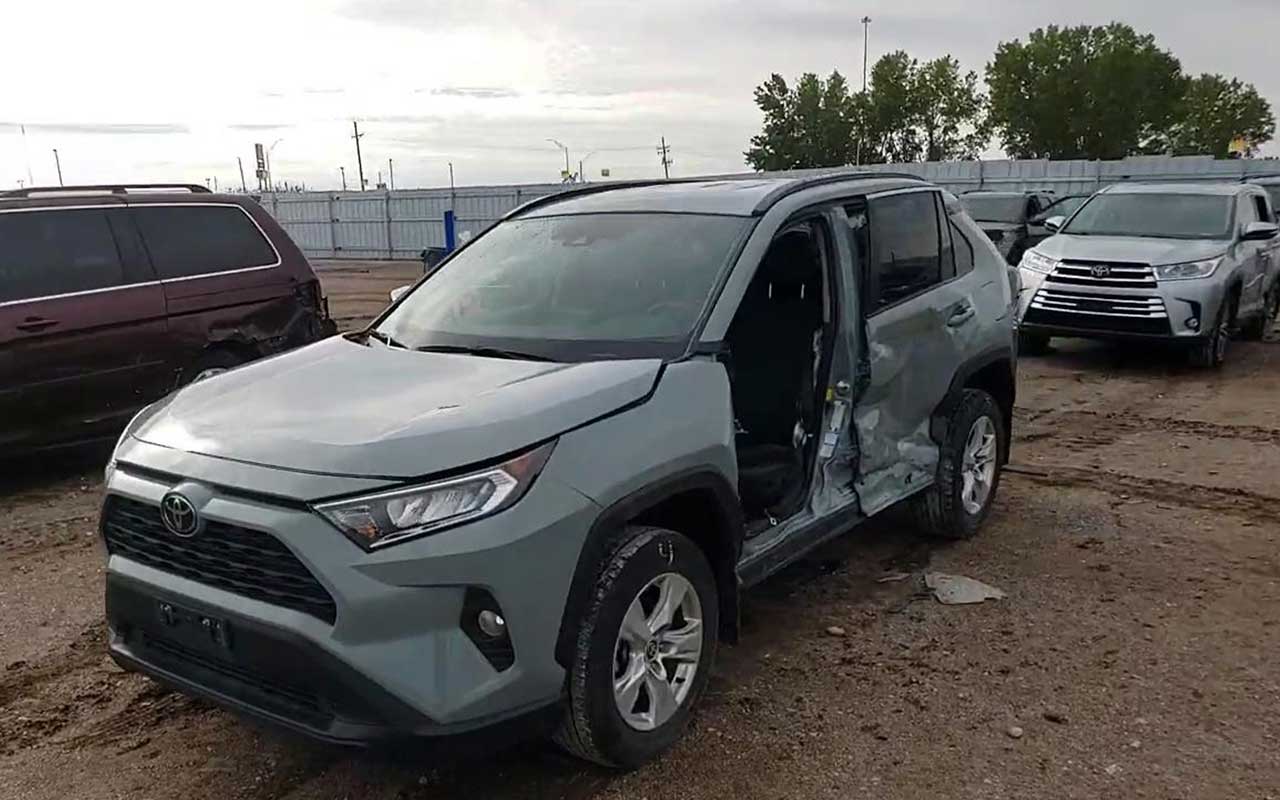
x=921, y=320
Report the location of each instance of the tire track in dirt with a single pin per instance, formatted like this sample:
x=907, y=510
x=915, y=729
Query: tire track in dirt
x=1107, y=426
x=87, y=649
x=1232, y=500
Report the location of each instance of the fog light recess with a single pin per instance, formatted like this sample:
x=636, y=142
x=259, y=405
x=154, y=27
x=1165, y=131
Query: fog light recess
x=485, y=625
x=1192, y=323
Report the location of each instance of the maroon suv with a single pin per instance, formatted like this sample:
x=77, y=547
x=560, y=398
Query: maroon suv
x=112, y=296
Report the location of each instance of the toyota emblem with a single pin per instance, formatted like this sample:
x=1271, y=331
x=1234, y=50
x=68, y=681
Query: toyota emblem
x=178, y=515
x=1100, y=271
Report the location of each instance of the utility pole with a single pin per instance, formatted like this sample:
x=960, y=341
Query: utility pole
x=664, y=155
x=355, y=126
x=391, y=174
x=58, y=162
x=568, y=170
x=343, y=170
x=862, y=114
x=244, y=187
x=215, y=183
x=451, y=176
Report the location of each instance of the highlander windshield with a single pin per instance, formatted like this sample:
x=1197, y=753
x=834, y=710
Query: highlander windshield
x=581, y=287
x=1167, y=216
x=995, y=208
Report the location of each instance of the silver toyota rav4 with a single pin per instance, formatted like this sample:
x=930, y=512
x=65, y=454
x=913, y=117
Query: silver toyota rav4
x=1187, y=263
x=534, y=487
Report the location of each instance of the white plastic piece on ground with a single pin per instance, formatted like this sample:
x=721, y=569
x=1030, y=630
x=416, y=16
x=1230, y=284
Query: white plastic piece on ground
x=957, y=590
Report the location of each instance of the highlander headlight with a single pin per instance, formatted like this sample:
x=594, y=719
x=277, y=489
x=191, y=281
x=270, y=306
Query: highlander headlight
x=1037, y=263
x=383, y=518
x=1187, y=270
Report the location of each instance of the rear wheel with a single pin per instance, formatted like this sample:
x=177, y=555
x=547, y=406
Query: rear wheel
x=969, y=463
x=1257, y=328
x=644, y=650
x=1211, y=352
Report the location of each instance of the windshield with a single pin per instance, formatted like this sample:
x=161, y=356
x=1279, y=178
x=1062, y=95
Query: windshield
x=1165, y=216
x=1063, y=208
x=1274, y=191
x=995, y=208
x=571, y=288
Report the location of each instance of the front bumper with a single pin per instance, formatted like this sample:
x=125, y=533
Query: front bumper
x=1172, y=310
x=395, y=660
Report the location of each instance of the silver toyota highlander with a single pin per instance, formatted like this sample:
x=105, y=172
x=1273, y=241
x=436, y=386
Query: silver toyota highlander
x=1190, y=263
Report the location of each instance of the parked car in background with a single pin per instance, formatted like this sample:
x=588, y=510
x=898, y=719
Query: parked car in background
x=1014, y=221
x=1271, y=185
x=110, y=297
x=1187, y=263
x=539, y=480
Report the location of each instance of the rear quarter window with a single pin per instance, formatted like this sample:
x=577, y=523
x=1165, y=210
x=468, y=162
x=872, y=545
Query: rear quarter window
x=188, y=241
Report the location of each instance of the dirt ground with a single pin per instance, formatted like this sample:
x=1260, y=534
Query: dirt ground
x=1137, y=534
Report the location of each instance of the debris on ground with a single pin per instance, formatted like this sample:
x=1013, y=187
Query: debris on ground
x=957, y=590
x=893, y=577
x=1056, y=717
x=835, y=630
x=1014, y=732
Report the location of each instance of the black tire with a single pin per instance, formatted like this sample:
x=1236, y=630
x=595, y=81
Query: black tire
x=940, y=510
x=1033, y=344
x=219, y=359
x=1211, y=351
x=1253, y=329
x=592, y=727
x=1257, y=328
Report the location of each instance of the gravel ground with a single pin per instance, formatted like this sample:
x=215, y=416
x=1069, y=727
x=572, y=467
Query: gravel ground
x=1135, y=533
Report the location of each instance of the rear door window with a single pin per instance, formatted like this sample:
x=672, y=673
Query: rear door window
x=1260, y=205
x=48, y=253
x=188, y=241
x=905, y=253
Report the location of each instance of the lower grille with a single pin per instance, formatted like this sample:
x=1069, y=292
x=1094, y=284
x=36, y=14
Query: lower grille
x=288, y=700
x=247, y=562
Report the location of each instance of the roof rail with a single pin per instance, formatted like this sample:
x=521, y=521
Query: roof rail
x=591, y=188
x=802, y=183
x=109, y=188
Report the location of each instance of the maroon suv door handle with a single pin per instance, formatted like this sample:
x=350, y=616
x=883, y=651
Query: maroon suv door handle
x=31, y=324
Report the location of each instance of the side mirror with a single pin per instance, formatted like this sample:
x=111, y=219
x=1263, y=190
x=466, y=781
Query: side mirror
x=1258, y=232
x=1054, y=224
x=399, y=292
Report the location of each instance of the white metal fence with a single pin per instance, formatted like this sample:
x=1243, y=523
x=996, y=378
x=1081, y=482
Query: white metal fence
x=402, y=223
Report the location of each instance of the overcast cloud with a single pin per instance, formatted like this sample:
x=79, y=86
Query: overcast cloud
x=158, y=90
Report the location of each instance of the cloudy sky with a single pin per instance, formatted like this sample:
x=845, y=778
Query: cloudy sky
x=171, y=90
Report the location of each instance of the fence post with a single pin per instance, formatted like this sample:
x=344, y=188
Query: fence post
x=450, y=232
x=391, y=253
x=982, y=173
x=333, y=226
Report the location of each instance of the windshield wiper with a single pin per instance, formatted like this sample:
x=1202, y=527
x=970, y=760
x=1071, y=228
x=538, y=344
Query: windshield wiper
x=386, y=339
x=484, y=352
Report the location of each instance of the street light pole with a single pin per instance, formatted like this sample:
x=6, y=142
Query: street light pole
x=271, y=178
x=243, y=186
x=568, y=170
x=582, y=171
x=862, y=109
x=57, y=161
x=343, y=170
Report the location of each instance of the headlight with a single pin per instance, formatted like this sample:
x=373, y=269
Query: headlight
x=1187, y=270
x=381, y=519
x=1037, y=263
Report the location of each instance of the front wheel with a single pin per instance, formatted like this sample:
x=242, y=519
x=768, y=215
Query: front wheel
x=644, y=650
x=1211, y=352
x=969, y=463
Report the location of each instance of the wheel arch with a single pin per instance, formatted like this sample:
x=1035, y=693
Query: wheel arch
x=995, y=372
x=700, y=504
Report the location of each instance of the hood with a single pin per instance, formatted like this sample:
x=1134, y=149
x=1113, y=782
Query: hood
x=343, y=408
x=1130, y=248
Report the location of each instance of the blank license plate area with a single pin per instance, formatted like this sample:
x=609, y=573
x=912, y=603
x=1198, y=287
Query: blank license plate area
x=194, y=629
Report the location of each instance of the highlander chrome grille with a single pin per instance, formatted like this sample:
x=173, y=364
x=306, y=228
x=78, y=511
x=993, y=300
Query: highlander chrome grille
x=1109, y=305
x=1103, y=274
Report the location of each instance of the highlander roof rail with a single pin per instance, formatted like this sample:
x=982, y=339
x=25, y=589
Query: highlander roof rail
x=107, y=188
x=591, y=188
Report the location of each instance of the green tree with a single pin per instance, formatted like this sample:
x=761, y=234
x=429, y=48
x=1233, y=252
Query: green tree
x=1083, y=92
x=805, y=126
x=892, y=109
x=1215, y=111
x=949, y=111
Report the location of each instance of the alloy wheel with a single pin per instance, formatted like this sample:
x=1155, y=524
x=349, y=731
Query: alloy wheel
x=978, y=470
x=658, y=651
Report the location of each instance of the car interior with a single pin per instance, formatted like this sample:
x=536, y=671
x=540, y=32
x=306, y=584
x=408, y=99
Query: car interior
x=775, y=347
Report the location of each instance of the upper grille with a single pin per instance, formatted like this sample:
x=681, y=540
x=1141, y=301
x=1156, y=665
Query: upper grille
x=1113, y=275
x=247, y=562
